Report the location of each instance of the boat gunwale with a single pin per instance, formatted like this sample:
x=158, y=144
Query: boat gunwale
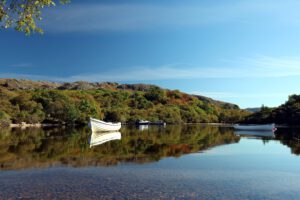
x=105, y=123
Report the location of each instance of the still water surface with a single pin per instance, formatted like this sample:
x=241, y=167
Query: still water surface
x=173, y=162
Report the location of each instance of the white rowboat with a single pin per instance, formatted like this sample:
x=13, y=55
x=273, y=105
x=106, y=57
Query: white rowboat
x=100, y=138
x=98, y=125
x=255, y=127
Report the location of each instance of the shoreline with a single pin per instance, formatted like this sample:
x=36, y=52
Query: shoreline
x=45, y=125
x=24, y=125
x=42, y=125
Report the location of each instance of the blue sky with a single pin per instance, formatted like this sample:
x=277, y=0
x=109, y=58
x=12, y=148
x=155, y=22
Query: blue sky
x=244, y=52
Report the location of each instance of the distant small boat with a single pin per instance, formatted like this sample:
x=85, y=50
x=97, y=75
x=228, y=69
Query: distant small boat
x=255, y=127
x=98, y=125
x=100, y=138
x=143, y=122
x=159, y=123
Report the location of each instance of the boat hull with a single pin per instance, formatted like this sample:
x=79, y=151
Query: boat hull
x=258, y=127
x=101, y=126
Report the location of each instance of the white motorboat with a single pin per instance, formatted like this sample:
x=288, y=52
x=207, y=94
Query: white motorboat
x=98, y=125
x=143, y=122
x=255, y=127
x=100, y=138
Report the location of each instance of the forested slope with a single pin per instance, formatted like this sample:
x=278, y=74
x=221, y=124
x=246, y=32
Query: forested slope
x=47, y=102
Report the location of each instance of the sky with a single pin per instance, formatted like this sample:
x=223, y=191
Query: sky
x=245, y=52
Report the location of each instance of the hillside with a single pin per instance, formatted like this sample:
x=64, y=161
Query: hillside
x=41, y=102
x=22, y=84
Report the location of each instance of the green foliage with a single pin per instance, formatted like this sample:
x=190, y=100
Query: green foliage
x=170, y=114
x=27, y=109
x=188, y=114
x=23, y=14
x=76, y=106
x=140, y=102
x=5, y=104
x=113, y=116
x=86, y=106
x=67, y=106
x=155, y=94
x=176, y=94
x=58, y=106
x=4, y=119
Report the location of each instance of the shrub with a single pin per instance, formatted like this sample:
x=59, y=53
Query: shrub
x=4, y=119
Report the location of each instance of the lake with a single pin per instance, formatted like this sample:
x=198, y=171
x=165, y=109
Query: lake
x=172, y=162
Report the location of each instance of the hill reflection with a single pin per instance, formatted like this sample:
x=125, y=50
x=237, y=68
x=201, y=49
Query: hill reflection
x=290, y=138
x=36, y=148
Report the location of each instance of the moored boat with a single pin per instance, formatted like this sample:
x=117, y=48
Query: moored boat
x=255, y=127
x=142, y=122
x=98, y=125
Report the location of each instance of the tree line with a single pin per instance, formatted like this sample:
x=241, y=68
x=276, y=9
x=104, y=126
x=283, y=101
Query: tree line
x=56, y=106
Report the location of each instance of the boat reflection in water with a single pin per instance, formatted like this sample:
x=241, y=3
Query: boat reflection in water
x=260, y=134
x=143, y=127
x=98, y=138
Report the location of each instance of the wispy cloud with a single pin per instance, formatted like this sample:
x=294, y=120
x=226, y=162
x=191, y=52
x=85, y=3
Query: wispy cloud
x=21, y=65
x=266, y=66
x=128, y=17
x=256, y=67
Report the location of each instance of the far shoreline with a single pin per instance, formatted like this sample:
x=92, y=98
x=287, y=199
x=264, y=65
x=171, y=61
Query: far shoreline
x=24, y=125
x=38, y=125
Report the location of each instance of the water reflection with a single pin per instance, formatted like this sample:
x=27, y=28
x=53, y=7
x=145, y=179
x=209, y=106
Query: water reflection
x=290, y=138
x=20, y=149
x=101, y=138
x=143, y=127
x=54, y=147
x=256, y=134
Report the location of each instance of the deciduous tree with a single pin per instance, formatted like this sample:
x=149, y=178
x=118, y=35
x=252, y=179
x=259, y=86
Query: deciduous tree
x=23, y=14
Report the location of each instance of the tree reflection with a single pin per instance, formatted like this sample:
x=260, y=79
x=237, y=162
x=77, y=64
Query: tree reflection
x=35, y=148
x=290, y=138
